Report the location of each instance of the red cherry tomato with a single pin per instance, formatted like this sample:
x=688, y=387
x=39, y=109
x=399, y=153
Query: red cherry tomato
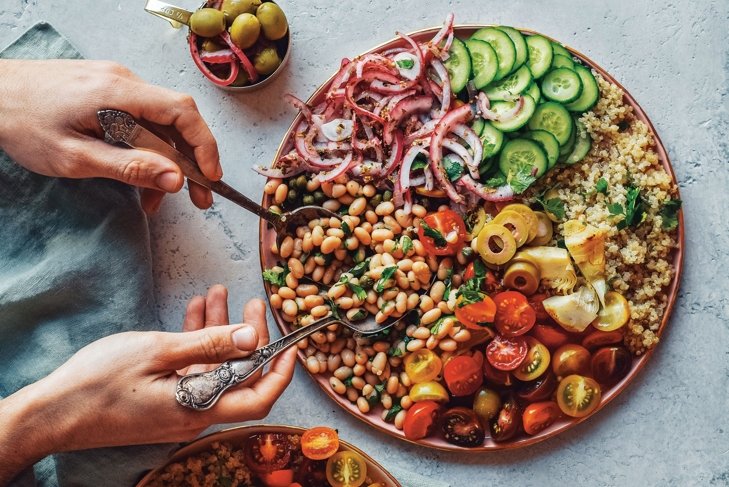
x=598, y=338
x=319, y=443
x=514, y=315
x=476, y=315
x=535, y=301
x=551, y=336
x=539, y=415
x=419, y=419
x=446, y=234
x=496, y=376
x=463, y=375
x=278, y=478
x=267, y=452
x=506, y=353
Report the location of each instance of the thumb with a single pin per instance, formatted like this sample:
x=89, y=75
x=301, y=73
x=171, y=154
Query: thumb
x=210, y=345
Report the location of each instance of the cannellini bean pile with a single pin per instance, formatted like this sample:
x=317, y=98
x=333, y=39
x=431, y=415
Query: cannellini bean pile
x=365, y=370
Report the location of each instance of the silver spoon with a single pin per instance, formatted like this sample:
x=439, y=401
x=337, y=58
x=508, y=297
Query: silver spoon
x=121, y=127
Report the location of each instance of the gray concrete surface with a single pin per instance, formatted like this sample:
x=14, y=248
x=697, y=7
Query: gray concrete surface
x=671, y=427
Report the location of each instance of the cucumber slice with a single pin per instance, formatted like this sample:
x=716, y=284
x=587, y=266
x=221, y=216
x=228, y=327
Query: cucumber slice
x=486, y=166
x=560, y=50
x=484, y=62
x=520, y=120
x=560, y=61
x=566, y=149
x=555, y=119
x=540, y=55
x=492, y=140
x=518, y=153
x=534, y=92
x=458, y=65
x=519, y=45
x=549, y=144
x=590, y=91
x=502, y=44
x=514, y=84
x=477, y=125
x=562, y=85
x=583, y=144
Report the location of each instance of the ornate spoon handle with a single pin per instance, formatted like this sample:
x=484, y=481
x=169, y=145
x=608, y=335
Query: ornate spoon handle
x=202, y=390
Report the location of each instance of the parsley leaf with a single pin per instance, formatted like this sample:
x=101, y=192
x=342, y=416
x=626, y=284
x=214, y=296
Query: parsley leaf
x=521, y=179
x=561, y=244
x=386, y=274
x=355, y=288
x=669, y=214
x=333, y=307
x=601, y=186
x=436, y=326
x=405, y=63
x=407, y=244
x=419, y=163
x=470, y=291
x=277, y=278
x=616, y=209
x=452, y=168
x=359, y=269
x=448, y=283
x=496, y=181
x=555, y=206
x=345, y=228
x=348, y=381
x=438, y=238
x=390, y=416
x=633, y=213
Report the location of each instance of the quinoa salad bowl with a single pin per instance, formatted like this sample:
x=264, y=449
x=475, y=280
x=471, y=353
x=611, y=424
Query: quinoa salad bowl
x=510, y=197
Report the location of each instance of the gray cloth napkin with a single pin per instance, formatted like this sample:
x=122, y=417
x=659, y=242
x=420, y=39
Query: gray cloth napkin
x=75, y=266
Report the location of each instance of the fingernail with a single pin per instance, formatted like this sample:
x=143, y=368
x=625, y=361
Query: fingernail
x=168, y=181
x=245, y=338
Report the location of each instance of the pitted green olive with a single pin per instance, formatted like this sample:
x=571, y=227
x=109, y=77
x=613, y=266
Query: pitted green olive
x=266, y=61
x=242, y=79
x=234, y=8
x=209, y=45
x=207, y=22
x=273, y=21
x=245, y=30
x=523, y=277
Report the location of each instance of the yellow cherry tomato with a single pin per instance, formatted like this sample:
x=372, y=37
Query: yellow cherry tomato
x=428, y=391
x=615, y=314
x=346, y=469
x=535, y=363
x=422, y=365
x=578, y=396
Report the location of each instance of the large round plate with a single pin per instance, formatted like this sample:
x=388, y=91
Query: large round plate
x=373, y=418
x=241, y=433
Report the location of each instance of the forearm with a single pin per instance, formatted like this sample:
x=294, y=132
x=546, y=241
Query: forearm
x=9, y=85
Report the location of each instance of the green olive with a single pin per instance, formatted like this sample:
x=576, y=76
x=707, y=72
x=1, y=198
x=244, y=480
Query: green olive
x=245, y=30
x=242, y=79
x=522, y=276
x=319, y=196
x=273, y=20
x=544, y=229
x=308, y=199
x=209, y=45
x=234, y=8
x=266, y=61
x=496, y=244
x=515, y=223
x=207, y=22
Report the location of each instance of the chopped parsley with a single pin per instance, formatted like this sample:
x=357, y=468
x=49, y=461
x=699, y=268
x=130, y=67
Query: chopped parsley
x=390, y=416
x=334, y=308
x=345, y=228
x=348, y=381
x=555, y=206
x=521, y=179
x=407, y=244
x=561, y=244
x=355, y=288
x=359, y=269
x=470, y=291
x=438, y=238
x=436, y=326
x=601, y=186
x=419, y=163
x=496, y=181
x=633, y=213
x=669, y=214
x=405, y=63
x=448, y=283
x=277, y=278
x=386, y=274
x=453, y=169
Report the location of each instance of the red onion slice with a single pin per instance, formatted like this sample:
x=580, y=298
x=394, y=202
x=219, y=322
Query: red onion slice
x=396, y=149
x=337, y=171
x=442, y=73
x=484, y=108
x=404, y=108
x=474, y=142
x=244, y=61
x=195, y=53
x=456, y=116
x=460, y=151
x=407, y=162
x=502, y=193
x=222, y=56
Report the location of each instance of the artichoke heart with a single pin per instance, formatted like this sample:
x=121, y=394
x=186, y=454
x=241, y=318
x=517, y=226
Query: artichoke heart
x=586, y=244
x=554, y=264
x=575, y=311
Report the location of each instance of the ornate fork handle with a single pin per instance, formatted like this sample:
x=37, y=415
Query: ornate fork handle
x=202, y=390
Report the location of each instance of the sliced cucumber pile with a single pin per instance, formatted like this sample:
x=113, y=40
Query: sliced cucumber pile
x=506, y=64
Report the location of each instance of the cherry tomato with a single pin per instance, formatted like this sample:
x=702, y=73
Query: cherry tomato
x=535, y=363
x=462, y=427
x=578, y=395
x=539, y=415
x=535, y=301
x=428, y=391
x=346, y=469
x=538, y=390
x=508, y=422
x=476, y=315
x=490, y=283
x=319, y=443
x=615, y=314
x=486, y=404
x=422, y=365
x=514, y=315
x=462, y=375
x=469, y=273
x=571, y=359
x=506, y=353
x=278, y=478
x=611, y=364
x=313, y=473
x=496, y=376
x=450, y=230
x=419, y=419
x=600, y=338
x=551, y=336
x=267, y=452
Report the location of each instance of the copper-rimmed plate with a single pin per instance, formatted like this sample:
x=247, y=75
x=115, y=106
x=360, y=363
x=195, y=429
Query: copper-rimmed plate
x=268, y=260
x=238, y=435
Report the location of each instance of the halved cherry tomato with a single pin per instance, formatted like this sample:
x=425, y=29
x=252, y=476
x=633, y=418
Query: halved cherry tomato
x=476, y=315
x=615, y=314
x=278, y=478
x=428, y=391
x=463, y=375
x=496, y=376
x=490, y=283
x=611, y=364
x=462, y=427
x=551, y=336
x=538, y=390
x=313, y=473
x=506, y=353
x=486, y=404
x=423, y=365
x=319, y=443
x=539, y=415
x=599, y=338
x=419, y=420
x=450, y=230
x=535, y=301
x=536, y=362
x=267, y=452
x=507, y=423
x=578, y=396
x=346, y=469
x=514, y=315
x=571, y=359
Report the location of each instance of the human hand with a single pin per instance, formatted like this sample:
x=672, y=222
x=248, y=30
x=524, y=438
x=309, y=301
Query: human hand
x=120, y=390
x=49, y=126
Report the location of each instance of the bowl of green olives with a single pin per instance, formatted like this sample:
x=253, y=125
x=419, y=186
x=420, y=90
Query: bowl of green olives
x=238, y=45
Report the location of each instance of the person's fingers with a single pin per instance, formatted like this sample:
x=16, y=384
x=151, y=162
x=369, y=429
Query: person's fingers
x=254, y=314
x=216, y=306
x=195, y=314
x=151, y=200
x=213, y=345
x=200, y=195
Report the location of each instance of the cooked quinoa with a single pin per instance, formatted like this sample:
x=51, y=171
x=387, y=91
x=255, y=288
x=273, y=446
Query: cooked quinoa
x=639, y=259
x=223, y=464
